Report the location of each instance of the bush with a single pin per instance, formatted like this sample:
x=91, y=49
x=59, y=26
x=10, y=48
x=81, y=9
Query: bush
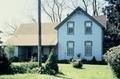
x=4, y=63
x=77, y=63
x=45, y=57
x=39, y=70
x=18, y=69
x=51, y=65
x=64, y=61
x=14, y=59
x=113, y=58
x=23, y=68
x=94, y=60
x=29, y=65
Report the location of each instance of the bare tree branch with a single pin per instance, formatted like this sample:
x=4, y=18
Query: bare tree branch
x=12, y=28
x=54, y=9
x=86, y=6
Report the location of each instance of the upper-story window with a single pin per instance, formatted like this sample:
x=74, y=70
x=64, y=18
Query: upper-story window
x=70, y=28
x=88, y=27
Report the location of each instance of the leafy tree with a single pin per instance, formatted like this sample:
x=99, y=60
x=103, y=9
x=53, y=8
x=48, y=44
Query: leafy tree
x=9, y=50
x=113, y=15
x=4, y=63
x=112, y=32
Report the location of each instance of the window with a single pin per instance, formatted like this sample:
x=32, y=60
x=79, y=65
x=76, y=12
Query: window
x=70, y=28
x=88, y=27
x=88, y=48
x=70, y=48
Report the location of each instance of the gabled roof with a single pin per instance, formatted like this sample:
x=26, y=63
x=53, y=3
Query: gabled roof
x=75, y=11
x=26, y=35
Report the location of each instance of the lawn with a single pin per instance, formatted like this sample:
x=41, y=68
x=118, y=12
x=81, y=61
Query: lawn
x=68, y=72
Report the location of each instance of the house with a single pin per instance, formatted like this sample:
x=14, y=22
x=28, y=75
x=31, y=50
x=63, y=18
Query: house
x=26, y=42
x=78, y=34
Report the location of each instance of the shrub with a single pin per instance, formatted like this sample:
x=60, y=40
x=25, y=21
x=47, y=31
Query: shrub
x=18, y=69
x=40, y=70
x=4, y=63
x=64, y=61
x=94, y=60
x=14, y=59
x=45, y=57
x=51, y=65
x=29, y=65
x=113, y=58
x=77, y=63
x=23, y=68
x=84, y=61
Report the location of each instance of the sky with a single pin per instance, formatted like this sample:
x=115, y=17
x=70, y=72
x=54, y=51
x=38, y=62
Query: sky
x=19, y=11
x=11, y=10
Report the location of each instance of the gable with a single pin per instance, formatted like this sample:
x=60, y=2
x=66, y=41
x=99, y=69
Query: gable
x=77, y=10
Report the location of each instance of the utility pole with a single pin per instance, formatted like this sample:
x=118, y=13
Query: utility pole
x=39, y=35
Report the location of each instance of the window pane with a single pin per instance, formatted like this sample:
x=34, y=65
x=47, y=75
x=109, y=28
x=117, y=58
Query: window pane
x=70, y=27
x=70, y=45
x=88, y=24
x=88, y=48
x=70, y=48
x=88, y=43
x=70, y=30
x=88, y=27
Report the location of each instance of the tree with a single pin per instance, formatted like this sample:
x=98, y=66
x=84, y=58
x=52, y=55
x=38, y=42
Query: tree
x=113, y=22
x=113, y=15
x=4, y=62
x=9, y=28
x=9, y=50
x=95, y=9
x=54, y=9
x=88, y=5
x=82, y=3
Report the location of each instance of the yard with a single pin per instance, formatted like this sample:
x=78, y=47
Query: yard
x=68, y=72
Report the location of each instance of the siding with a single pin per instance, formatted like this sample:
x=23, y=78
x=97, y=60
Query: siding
x=79, y=37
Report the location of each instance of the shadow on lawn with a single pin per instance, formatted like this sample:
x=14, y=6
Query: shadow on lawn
x=62, y=75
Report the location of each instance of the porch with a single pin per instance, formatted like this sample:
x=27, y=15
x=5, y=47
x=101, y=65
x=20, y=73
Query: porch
x=28, y=52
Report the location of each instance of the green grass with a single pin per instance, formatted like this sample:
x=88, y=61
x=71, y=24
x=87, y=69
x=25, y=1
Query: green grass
x=68, y=72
